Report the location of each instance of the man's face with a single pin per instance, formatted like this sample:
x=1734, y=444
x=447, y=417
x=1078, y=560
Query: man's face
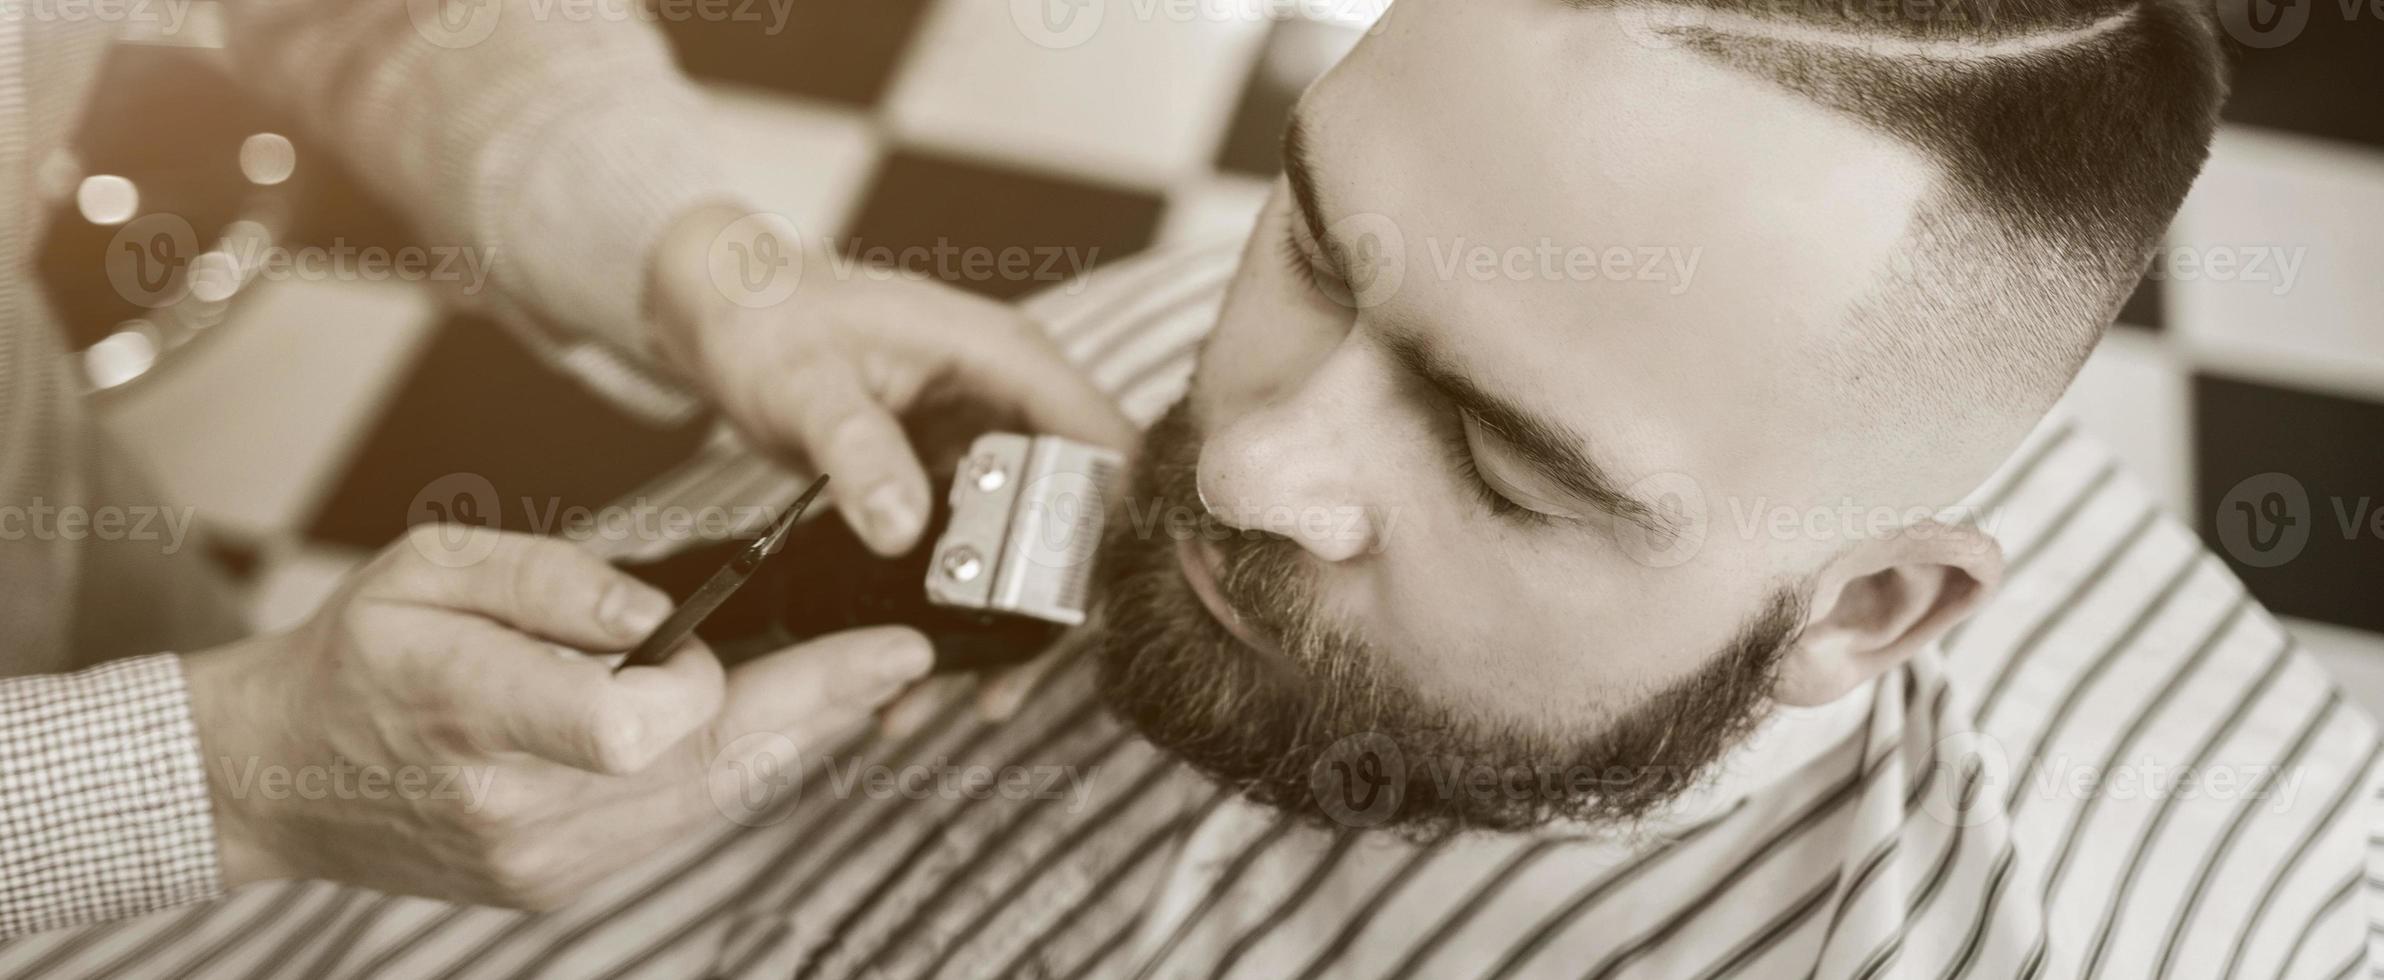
x=1520, y=365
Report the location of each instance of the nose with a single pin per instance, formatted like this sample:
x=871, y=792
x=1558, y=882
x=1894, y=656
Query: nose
x=1292, y=467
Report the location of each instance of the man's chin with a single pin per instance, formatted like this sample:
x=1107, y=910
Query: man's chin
x=1355, y=751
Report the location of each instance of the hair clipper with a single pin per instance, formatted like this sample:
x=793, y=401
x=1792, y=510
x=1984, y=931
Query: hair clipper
x=1004, y=567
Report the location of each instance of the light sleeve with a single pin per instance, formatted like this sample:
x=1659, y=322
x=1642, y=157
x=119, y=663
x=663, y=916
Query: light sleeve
x=104, y=812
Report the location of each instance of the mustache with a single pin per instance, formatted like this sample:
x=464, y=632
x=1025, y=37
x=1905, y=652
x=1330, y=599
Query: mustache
x=1266, y=578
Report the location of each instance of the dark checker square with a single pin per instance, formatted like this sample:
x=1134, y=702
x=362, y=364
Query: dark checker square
x=2316, y=69
x=838, y=50
x=1297, y=51
x=478, y=403
x=992, y=230
x=2291, y=492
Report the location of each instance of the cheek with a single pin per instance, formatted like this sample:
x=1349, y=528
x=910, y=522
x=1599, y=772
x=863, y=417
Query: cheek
x=1581, y=635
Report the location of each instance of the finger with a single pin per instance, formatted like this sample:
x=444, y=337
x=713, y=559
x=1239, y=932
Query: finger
x=538, y=585
x=914, y=704
x=1021, y=367
x=779, y=706
x=921, y=704
x=516, y=694
x=1001, y=694
x=845, y=432
x=814, y=689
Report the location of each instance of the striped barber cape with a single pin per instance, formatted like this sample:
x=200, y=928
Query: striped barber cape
x=2120, y=768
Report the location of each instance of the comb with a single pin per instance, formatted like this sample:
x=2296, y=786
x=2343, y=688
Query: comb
x=724, y=583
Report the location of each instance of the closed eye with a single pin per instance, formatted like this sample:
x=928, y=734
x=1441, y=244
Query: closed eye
x=1504, y=502
x=1297, y=259
x=1305, y=264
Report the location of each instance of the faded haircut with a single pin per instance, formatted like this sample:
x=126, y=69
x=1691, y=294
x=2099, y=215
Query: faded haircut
x=2066, y=131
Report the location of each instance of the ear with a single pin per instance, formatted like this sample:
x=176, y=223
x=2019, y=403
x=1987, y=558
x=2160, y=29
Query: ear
x=1884, y=600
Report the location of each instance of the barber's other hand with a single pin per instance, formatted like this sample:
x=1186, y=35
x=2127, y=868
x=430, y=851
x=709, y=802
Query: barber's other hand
x=822, y=367
x=422, y=735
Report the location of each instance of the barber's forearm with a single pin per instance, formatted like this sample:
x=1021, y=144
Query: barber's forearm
x=104, y=812
x=556, y=148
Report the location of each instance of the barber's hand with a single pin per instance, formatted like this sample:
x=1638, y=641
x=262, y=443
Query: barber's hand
x=421, y=734
x=822, y=368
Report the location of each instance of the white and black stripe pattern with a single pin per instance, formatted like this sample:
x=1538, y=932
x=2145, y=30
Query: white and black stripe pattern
x=1949, y=837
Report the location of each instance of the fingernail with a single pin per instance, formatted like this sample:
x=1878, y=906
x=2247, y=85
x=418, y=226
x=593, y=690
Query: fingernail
x=630, y=610
x=892, y=513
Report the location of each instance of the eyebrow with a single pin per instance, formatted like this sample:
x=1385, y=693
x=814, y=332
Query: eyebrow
x=1551, y=448
x=1554, y=450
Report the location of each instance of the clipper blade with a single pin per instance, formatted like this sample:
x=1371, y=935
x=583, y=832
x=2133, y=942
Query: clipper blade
x=1027, y=517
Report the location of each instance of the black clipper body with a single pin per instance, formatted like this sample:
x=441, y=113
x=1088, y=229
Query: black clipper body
x=1004, y=568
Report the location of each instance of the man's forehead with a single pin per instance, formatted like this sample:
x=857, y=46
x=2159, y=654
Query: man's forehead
x=1584, y=196
x=1531, y=122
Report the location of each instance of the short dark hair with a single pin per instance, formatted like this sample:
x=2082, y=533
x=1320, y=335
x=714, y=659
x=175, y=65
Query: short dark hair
x=2068, y=132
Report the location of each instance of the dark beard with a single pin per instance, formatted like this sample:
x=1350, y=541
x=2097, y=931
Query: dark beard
x=1324, y=733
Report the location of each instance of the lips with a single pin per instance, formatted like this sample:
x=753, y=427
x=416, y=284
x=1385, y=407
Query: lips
x=1200, y=561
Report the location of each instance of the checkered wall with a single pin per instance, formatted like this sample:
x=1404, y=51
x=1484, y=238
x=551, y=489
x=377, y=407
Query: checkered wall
x=2253, y=402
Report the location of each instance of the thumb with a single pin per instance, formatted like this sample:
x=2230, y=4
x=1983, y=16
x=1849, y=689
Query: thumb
x=812, y=690
x=781, y=705
x=513, y=692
